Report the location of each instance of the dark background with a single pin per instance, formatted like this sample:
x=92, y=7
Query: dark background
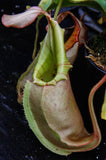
x=17, y=141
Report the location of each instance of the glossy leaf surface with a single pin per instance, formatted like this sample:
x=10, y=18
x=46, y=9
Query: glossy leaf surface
x=98, y=4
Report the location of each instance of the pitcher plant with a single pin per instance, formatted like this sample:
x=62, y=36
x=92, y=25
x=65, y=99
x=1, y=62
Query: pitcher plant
x=45, y=88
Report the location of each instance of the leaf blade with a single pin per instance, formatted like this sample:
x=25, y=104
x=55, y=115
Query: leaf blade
x=103, y=112
x=97, y=4
x=23, y=19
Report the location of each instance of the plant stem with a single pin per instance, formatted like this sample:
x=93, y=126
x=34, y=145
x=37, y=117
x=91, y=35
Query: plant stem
x=57, y=9
x=36, y=38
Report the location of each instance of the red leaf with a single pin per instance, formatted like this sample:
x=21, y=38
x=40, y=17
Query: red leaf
x=23, y=19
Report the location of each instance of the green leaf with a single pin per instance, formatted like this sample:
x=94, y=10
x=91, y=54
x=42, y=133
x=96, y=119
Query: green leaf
x=102, y=3
x=98, y=4
x=103, y=112
x=45, y=4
